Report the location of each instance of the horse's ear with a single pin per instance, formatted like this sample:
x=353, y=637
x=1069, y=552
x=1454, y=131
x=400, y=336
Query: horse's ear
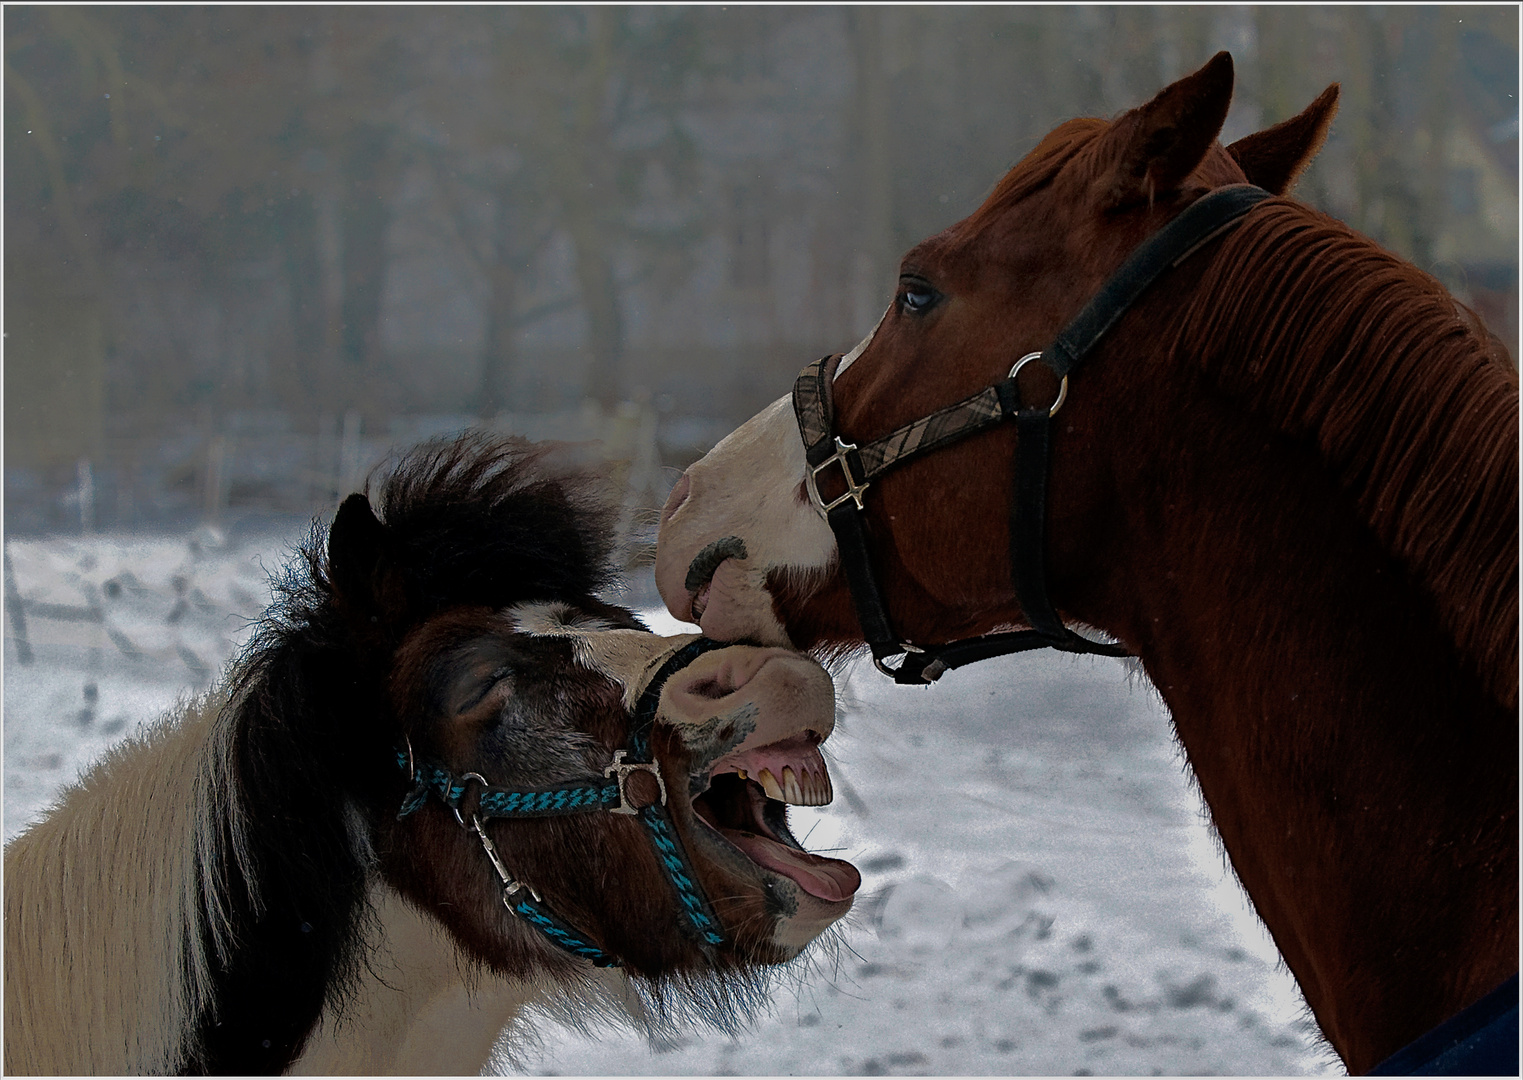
x=1160, y=143
x=1274, y=158
x=365, y=583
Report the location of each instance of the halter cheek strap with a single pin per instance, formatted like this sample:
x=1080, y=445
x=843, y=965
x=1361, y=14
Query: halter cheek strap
x=860, y=466
x=590, y=795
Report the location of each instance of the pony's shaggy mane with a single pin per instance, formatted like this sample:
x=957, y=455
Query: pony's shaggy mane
x=480, y=520
x=1409, y=401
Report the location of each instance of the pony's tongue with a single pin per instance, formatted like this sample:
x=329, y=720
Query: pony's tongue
x=827, y=879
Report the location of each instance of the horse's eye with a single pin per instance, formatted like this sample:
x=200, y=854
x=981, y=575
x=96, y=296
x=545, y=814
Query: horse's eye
x=916, y=297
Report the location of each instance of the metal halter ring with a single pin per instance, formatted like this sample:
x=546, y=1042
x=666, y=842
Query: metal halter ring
x=1062, y=388
x=621, y=769
x=476, y=776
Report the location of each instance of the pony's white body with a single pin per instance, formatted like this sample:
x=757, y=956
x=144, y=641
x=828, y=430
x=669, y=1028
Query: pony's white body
x=113, y=970
x=91, y=950
x=423, y=1008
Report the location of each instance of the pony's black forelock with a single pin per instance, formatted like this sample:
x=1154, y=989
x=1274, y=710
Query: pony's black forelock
x=483, y=519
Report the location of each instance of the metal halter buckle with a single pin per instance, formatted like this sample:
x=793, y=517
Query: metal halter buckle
x=1062, y=388
x=622, y=769
x=854, y=490
x=510, y=885
x=905, y=648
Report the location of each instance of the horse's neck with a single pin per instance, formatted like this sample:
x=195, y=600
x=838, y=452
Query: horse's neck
x=100, y=939
x=1362, y=780
x=420, y=1006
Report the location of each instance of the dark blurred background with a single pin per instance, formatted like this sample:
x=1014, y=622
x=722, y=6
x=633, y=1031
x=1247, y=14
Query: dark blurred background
x=247, y=249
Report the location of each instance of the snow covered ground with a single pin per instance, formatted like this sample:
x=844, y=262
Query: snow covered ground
x=1041, y=894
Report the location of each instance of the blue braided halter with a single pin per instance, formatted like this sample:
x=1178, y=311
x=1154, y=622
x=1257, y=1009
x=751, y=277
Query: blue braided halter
x=578, y=797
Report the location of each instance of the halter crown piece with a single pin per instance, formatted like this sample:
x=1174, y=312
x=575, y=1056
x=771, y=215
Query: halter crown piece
x=589, y=795
x=860, y=466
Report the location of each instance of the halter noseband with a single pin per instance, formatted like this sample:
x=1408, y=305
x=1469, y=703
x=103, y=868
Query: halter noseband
x=590, y=795
x=860, y=466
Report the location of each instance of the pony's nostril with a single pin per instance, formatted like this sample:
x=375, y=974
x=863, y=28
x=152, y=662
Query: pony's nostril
x=735, y=670
x=708, y=688
x=674, y=501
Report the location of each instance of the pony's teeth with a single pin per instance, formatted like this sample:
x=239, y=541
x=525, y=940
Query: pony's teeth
x=792, y=791
x=816, y=787
x=770, y=785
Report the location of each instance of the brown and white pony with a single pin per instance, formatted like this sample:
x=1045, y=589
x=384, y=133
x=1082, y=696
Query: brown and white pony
x=1286, y=480
x=236, y=890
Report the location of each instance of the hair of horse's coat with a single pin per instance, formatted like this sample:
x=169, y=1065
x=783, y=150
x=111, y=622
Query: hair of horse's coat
x=202, y=898
x=104, y=971
x=1425, y=441
x=199, y=897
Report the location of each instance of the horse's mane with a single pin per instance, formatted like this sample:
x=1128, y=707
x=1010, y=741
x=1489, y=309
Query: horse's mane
x=481, y=520
x=1408, y=399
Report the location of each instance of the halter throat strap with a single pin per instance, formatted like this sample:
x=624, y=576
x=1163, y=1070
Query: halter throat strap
x=1195, y=226
x=589, y=795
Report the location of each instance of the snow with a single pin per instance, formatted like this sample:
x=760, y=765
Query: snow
x=1041, y=892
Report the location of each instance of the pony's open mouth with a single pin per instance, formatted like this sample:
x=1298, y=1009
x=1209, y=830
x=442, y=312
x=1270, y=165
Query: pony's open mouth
x=746, y=804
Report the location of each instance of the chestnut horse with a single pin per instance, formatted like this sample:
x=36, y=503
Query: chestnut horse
x=1284, y=477
x=444, y=782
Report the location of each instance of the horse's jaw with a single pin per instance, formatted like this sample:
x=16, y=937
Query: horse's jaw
x=743, y=504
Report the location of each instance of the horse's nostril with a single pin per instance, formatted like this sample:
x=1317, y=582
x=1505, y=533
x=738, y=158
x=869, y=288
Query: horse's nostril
x=701, y=570
x=678, y=496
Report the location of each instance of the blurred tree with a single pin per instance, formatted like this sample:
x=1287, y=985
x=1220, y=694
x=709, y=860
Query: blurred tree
x=204, y=205
x=583, y=138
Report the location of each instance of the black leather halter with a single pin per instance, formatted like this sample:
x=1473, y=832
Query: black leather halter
x=860, y=466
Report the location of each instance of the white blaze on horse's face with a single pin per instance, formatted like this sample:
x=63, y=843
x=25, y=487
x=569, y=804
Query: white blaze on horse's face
x=751, y=720
x=738, y=514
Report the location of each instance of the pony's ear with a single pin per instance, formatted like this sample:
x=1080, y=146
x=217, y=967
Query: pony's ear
x=360, y=568
x=1274, y=158
x=1158, y=144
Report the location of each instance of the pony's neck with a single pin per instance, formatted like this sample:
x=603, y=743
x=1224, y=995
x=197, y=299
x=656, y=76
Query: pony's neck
x=416, y=1008
x=420, y=1007
x=1360, y=776
x=101, y=940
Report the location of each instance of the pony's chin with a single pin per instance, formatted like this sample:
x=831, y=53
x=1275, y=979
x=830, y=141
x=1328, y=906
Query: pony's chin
x=794, y=933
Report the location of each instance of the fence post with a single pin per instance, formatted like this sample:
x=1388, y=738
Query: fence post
x=14, y=609
x=86, y=493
